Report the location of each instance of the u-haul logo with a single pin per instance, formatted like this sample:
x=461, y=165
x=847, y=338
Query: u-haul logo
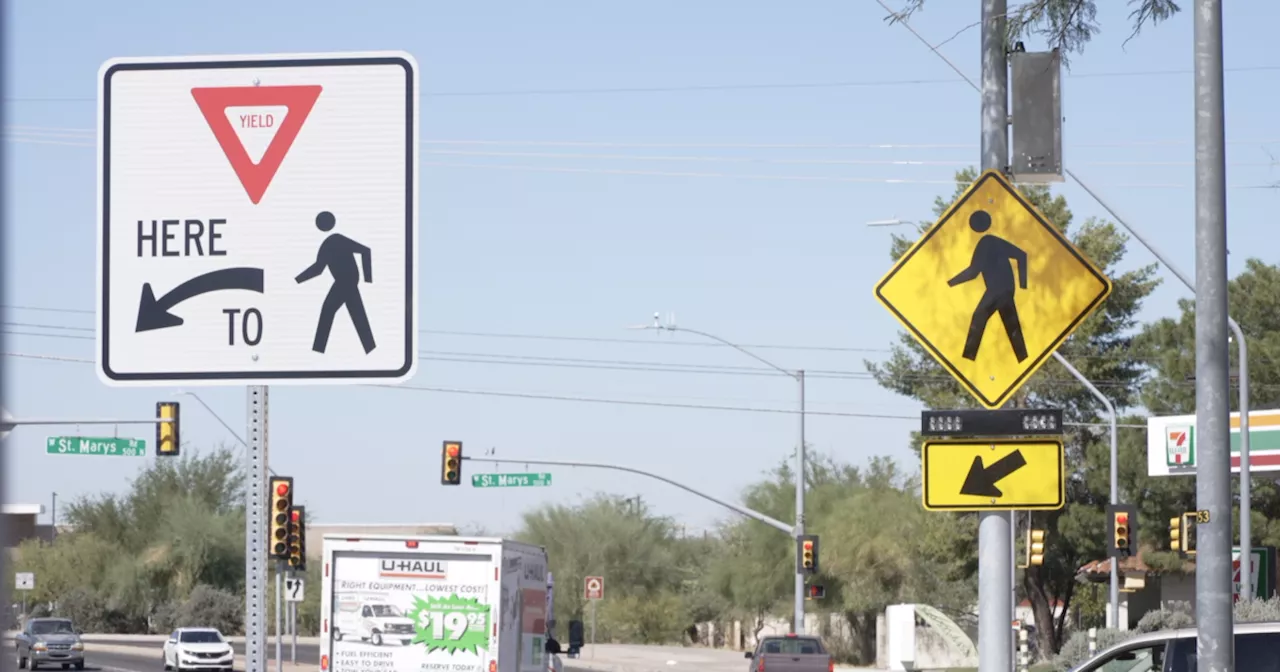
x=412, y=569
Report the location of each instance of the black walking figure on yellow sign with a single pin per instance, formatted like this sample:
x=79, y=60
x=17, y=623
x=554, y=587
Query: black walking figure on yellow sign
x=991, y=260
x=337, y=253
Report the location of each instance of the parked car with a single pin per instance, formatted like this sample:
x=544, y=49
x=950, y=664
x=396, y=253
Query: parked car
x=49, y=641
x=1257, y=650
x=198, y=649
x=791, y=653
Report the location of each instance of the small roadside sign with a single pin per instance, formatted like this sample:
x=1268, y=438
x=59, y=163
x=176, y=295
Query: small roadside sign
x=24, y=581
x=295, y=589
x=593, y=588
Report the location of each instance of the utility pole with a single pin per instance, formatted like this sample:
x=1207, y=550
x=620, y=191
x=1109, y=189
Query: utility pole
x=797, y=623
x=995, y=548
x=1215, y=652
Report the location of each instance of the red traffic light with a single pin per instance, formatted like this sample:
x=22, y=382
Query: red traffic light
x=295, y=516
x=451, y=450
x=808, y=545
x=282, y=489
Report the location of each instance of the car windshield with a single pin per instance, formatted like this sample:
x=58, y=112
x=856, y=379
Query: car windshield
x=52, y=628
x=201, y=637
x=383, y=610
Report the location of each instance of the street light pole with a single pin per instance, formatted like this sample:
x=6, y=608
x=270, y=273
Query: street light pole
x=798, y=617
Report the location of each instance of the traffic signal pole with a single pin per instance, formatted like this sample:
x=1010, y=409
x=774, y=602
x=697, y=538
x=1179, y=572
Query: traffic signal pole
x=255, y=567
x=756, y=515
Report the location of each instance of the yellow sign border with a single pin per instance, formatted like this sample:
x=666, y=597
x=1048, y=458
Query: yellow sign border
x=1001, y=506
x=1039, y=361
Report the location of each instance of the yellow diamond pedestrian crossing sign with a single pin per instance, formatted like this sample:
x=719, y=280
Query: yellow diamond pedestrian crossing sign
x=992, y=289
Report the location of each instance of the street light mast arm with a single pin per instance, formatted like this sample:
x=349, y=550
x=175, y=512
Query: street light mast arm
x=733, y=345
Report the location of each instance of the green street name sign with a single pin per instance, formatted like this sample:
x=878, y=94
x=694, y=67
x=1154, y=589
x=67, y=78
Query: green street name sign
x=510, y=480
x=85, y=445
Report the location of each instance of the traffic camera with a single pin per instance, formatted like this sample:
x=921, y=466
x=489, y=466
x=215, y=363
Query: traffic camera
x=1124, y=530
x=298, y=539
x=281, y=515
x=167, y=432
x=1035, y=548
x=807, y=554
x=451, y=463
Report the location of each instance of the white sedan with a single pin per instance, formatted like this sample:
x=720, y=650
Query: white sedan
x=198, y=649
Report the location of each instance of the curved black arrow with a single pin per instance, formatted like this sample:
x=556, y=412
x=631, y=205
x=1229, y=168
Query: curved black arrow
x=981, y=480
x=154, y=313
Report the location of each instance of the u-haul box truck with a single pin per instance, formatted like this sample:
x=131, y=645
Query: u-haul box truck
x=432, y=604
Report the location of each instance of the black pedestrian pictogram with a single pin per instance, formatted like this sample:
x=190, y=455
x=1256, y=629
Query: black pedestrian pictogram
x=991, y=259
x=337, y=253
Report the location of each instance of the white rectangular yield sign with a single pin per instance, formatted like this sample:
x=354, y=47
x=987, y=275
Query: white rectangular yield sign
x=258, y=219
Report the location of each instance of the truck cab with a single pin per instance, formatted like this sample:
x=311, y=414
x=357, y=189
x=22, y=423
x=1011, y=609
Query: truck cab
x=1257, y=648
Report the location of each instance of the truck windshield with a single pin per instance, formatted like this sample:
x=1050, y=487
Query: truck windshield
x=792, y=645
x=52, y=628
x=383, y=611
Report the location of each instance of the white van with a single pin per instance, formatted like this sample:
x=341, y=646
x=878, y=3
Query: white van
x=1257, y=650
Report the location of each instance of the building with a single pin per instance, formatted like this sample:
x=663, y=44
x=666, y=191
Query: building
x=20, y=524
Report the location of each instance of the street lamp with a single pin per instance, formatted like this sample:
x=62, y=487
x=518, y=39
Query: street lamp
x=798, y=376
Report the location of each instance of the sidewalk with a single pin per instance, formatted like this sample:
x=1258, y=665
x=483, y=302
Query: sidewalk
x=635, y=658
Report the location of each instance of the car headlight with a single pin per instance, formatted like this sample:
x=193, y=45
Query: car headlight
x=40, y=646
x=77, y=647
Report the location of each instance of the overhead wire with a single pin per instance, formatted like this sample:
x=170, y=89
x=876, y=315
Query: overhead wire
x=701, y=88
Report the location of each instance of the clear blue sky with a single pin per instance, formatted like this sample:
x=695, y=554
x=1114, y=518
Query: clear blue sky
x=542, y=239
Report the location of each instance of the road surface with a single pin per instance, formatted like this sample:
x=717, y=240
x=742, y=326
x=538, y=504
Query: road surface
x=147, y=658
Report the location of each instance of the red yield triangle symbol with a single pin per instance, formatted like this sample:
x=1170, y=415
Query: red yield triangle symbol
x=213, y=102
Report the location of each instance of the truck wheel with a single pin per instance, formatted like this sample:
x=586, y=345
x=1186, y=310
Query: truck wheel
x=22, y=662
x=80, y=665
x=377, y=638
x=35, y=665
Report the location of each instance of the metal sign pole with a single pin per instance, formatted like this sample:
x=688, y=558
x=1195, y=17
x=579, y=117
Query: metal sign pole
x=593, y=628
x=293, y=632
x=279, y=617
x=255, y=571
x=995, y=615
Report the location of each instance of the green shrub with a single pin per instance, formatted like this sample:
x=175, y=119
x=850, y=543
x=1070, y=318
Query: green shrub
x=1256, y=611
x=207, y=607
x=1076, y=648
x=1171, y=616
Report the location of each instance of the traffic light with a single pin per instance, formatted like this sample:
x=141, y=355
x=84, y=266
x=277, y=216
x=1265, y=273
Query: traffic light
x=298, y=539
x=1035, y=548
x=1124, y=530
x=167, y=432
x=1176, y=534
x=451, y=463
x=281, y=515
x=816, y=592
x=807, y=553
x=1189, y=534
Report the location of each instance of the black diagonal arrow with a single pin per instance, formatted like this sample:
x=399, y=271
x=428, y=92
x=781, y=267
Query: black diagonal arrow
x=981, y=480
x=154, y=313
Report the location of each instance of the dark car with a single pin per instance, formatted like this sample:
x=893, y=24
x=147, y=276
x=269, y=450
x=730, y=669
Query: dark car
x=791, y=653
x=49, y=641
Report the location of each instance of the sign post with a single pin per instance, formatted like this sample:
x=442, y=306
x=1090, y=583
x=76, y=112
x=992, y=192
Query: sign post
x=593, y=592
x=258, y=225
x=25, y=582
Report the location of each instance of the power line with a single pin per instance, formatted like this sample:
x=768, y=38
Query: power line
x=706, y=88
x=604, y=400
x=89, y=137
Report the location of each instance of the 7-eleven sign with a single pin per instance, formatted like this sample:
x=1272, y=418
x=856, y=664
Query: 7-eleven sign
x=1180, y=446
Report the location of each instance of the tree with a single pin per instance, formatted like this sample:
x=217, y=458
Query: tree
x=645, y=566
x=1102, y=349
x=1064, y=24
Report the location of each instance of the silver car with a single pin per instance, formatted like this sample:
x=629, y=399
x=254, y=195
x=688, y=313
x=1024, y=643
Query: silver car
x=1257, y=648
x=49, y=641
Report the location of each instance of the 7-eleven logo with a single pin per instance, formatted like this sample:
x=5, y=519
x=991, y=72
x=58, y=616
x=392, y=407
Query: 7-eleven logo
x=1179, y=444
x=1253, y=572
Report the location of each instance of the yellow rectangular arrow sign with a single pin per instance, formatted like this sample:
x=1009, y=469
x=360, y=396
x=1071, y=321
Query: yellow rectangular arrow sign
x=993, y=475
